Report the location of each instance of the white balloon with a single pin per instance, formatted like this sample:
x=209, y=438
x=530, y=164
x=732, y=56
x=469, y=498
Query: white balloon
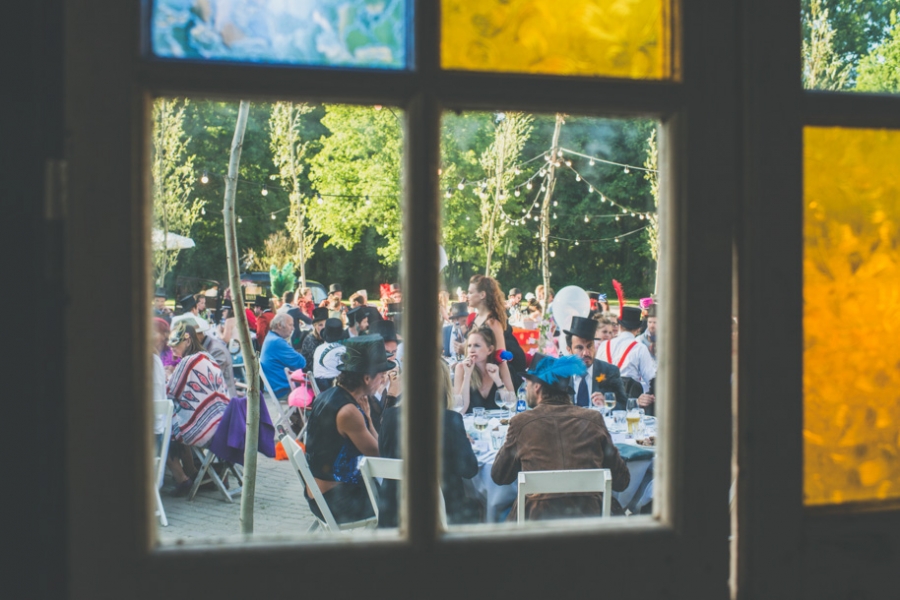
x=571, y=301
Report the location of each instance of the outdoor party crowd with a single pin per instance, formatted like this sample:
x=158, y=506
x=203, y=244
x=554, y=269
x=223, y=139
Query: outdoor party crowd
x=344, y=361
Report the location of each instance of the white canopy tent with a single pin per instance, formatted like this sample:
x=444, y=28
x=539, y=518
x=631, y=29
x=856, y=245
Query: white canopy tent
x=173, y=241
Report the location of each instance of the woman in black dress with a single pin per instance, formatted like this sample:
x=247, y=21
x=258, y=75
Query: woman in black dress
x=479, y=378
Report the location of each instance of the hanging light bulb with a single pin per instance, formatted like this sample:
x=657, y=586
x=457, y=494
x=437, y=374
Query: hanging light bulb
x=578, y=178
x=528, y=185
x=518, y=171
x=641, y=217
x=204, y=179
x=576, y=242
x=617, y=217
x=587, y=219
x=543, y=188
x=537, y=218
x=554, y=215
x=617, y=240
x=524, y=211
x=602, y=198
x=240, y=220
x=552, y=253
x=559, y=151
x=590, y=189
x=627, y=170
x=547, y=157
x=273, y=216
x=518, y=193
x=555, y=203
x=542, y=173
x=592, y=162
x=203, y=211
x=264, y=191
x=368, y=202
x=568, y=163
x=624, y=210
x=447, y=194
x=462, y=185
x=319, y=199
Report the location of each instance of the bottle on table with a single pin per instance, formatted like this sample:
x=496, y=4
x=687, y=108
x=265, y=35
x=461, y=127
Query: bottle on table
x=521, y=404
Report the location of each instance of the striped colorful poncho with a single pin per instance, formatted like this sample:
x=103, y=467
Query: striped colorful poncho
x=198, y=389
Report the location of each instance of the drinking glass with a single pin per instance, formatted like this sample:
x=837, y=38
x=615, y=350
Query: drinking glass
x=500, y=401
x=481, y=421
x=610, y=400
x=497, y=438
x=509, y=402
x=619, y=420
x=458, y=404
x=631, y=405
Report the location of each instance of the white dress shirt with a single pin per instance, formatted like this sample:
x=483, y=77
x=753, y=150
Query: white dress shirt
x=639, y=364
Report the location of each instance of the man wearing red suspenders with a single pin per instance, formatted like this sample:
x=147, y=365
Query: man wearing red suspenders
x=632, y=357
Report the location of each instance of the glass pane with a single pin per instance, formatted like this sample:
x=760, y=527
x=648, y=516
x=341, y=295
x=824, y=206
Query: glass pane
x=851, y=45
x=318, y=235
x=358, y=33
x=851, y=292
x=610, y=38
x=533, y=204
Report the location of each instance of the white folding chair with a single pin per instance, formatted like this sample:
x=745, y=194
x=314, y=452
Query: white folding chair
x=208, y=474
x=565, y=482
x=371, y=467
x=284, y=418
x=165, y=409
x=298, y=460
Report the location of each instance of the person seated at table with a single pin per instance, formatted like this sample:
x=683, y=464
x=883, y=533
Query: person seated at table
x=478, y=378
x=600, y=377
x=557, y=435
x=327, y=358
x=459, y=461
x=198, y=390
x=217, y=349
x=340, y=430
x=277, y=354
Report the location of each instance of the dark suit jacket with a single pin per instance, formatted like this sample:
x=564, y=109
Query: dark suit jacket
x=612, y=382
x=377, y=408
x=559, y=437
x=447, y=332
x=459, y=463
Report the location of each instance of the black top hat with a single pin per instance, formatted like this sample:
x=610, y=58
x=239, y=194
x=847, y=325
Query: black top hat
x=334, y=287
x=386, y=329
x=555, y=372
x=459, y=309
x=586, y=329
x=631, y=317
x=261, y=302
x=334, y=330
x=320, y=313
x=365, y=354
x=372, y=313
x=160, y=293
x=188, y=302
x=351, y=316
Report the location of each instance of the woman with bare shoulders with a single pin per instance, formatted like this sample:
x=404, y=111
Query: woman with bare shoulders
x=489, y=304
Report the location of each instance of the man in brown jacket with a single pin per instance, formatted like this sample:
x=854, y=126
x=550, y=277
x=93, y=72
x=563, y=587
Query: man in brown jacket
x=557, y=435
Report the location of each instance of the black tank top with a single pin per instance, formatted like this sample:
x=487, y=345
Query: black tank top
x=331, y=456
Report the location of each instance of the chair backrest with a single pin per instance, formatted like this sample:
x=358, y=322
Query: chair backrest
x=562, y=482
x=298, y=460
x=166, y=409
x=389, y=468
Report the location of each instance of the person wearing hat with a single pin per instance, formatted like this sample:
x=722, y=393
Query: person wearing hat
x=327, y=357
x=314, y=338
x=631, y=356
x=334, y=293
x=277, y=355
x=454, y=333
x=600, y=377
x=557, y=435
x=341, y=430
x=357, y=321
x=160, y=310
x=393, y=386
x=190, y=304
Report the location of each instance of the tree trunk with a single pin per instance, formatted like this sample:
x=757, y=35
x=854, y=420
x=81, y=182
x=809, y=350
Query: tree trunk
x=498, y=187
x=302, y=225
x=251, y=363
x=545, y=210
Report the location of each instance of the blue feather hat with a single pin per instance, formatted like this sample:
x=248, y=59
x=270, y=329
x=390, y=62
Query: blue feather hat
x=555, y=372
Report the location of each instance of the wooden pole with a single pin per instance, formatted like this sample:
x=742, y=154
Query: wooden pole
x=545, y=209
x=251, y=362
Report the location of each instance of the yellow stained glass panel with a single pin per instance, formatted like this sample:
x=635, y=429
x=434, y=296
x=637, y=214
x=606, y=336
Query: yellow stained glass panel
x=610, y=38
x=851, y=290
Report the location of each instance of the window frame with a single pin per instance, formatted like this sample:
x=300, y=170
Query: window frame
x=110, y=87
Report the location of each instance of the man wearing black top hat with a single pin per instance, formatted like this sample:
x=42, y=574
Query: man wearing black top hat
x=358, y=321
x=601, y=377
x=314, y=338
x=632, y=357
x=454, y=334
x=327, y=357
x=159, y=306
x=341, y=430
x=557, y=435
x=334, y=291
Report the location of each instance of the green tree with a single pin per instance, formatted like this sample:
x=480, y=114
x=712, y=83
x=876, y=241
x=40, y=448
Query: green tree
x=879, y=71
x=859, y=26
x=357, y=174
x=288, y=152
x=823, y=67
x=172, y=173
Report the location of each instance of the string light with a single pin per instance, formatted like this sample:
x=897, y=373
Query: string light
x=576, y=242
x=578, y=178
x=627, y=170
x=594, y=159
x=554, y=215
x=528, y=185
x=319, y=199
x=518, y=193
x=204, y=179
x=368, y=202
x=447, y=194
x=462, y=185
x=273, y=216
x=617, y=240
x=592, y=162
x=587, y=219
x=555, y=203
x=265, y=192
x=552, y=254
x=203, y=211
x=240, y=220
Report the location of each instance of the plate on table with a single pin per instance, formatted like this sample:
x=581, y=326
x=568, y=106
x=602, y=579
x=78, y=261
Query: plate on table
x=493, y=413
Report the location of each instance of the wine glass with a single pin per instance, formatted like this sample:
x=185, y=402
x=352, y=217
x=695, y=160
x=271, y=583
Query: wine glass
x=610, y=400
x=509, y=402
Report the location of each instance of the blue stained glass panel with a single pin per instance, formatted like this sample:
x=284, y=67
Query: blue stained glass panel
x=348, y=33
